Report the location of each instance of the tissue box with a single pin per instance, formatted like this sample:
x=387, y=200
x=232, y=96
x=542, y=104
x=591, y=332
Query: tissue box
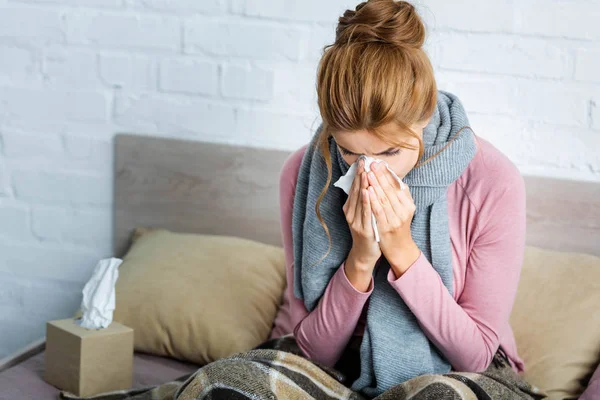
x=86, y=362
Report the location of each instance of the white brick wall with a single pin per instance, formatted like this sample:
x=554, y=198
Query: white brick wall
x=189, y=76
x=74, y=72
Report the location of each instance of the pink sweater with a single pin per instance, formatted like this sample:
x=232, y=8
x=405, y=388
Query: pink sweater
x=486, y=211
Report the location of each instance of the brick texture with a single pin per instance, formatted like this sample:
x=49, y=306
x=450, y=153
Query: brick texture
x=75, y=72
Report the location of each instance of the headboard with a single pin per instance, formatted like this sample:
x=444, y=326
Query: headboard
x=195, y=187
x=223, y=189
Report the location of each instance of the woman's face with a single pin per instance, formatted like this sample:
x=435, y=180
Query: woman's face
x=352, y=144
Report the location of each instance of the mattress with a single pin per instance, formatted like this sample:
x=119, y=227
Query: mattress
x=25, y=380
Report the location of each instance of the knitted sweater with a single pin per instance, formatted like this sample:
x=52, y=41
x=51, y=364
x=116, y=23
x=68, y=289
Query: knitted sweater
x=486, y=212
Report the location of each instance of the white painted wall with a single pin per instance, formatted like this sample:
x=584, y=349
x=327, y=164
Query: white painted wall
x=75, y=72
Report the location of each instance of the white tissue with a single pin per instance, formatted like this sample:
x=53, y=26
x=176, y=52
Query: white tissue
x=99, y=295
x=345, y=182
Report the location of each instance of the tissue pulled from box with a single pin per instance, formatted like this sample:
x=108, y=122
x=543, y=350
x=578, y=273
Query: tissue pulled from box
x=345, y=182
x=98, y=301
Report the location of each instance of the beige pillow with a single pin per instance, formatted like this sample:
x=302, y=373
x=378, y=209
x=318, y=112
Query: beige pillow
x=198, y=297
x=556, y=320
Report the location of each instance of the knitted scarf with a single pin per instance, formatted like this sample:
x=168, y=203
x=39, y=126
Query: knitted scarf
x=394, y=348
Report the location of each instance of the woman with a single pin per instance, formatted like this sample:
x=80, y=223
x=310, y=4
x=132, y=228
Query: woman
x=451, y=243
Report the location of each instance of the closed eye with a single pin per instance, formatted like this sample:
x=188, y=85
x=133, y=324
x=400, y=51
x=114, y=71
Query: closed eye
x=387, y=154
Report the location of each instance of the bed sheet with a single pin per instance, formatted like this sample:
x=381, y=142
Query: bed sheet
x=25, y=380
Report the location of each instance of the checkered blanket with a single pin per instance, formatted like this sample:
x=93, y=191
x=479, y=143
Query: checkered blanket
x=277, y=369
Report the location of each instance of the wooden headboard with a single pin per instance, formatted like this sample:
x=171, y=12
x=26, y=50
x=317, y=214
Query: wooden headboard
x=203, y=187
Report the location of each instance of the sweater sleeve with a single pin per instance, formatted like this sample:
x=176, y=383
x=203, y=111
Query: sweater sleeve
x=323, y=333
x=467, y=331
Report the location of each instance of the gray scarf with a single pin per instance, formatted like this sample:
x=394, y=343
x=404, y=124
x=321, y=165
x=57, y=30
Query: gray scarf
x=394, y=348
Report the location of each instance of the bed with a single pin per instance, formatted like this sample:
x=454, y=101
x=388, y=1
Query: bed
x=224, y=189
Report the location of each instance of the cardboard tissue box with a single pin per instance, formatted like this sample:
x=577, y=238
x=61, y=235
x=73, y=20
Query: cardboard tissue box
x=92, y=354
x=85, y=361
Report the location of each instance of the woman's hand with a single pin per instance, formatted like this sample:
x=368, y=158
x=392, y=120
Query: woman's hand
x=365, y=250
x=394, y=209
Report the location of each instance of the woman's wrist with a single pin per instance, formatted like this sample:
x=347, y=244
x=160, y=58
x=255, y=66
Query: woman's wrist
x=360, y=264
x=404, y=258
x=359, y=273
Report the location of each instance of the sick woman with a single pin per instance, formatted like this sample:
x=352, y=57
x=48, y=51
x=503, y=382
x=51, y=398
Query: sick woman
x=435, y=293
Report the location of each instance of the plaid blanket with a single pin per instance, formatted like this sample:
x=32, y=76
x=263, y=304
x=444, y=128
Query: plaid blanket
x=277, y=369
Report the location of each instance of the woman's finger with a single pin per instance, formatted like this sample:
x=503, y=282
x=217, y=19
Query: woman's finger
x=358, y=179
x=383, y=200
x=406, y=191
x=361, y=185
x=407, y=201
x=352, y=198
x=404, y=197
x=366, y=214
x=380, y=214
x=360, y=171
x=390, y=187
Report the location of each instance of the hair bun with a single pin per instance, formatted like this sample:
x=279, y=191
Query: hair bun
x=392, y=22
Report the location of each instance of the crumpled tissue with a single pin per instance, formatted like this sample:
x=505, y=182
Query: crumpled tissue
x=99, y=295
x=345, y=182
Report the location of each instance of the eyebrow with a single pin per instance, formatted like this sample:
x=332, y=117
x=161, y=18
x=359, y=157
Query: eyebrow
x=377, y=154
